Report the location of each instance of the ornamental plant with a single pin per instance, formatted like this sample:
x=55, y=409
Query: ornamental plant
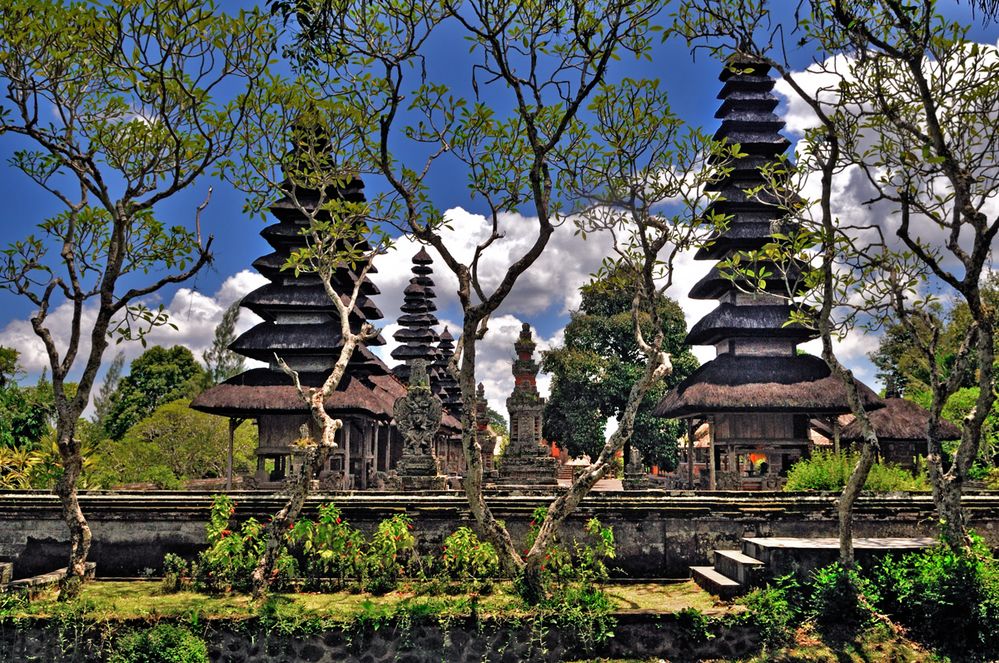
x=465, y=557
x=228, y=562
x=391, y=550
x=330, y=550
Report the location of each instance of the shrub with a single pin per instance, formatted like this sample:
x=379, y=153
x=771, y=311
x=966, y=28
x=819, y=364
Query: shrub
x=828, y=470
x=391, y=548
x=231, y=557
x=163, y=643
x=465, y=557
x=176, y=573
x=841, y=600
x=330, y=550
x=948, y=599
x=776, y=610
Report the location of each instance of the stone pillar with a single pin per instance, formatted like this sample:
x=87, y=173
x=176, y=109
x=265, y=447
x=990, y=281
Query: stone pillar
x=418, y=417
x=635, y=476
x=528, y=460
x=486, y=439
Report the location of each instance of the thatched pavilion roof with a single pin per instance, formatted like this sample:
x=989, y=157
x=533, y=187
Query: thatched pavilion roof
x=263, y=391
x=740, y=383
x=899, y=419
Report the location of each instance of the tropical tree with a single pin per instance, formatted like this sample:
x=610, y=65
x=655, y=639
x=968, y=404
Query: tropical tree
x=594, y=370
x=221, y=362
x=114, y=108
x=156, y=377
x=172, y=444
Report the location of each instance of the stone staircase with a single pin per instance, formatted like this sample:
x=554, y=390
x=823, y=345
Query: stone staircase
x=735, y=572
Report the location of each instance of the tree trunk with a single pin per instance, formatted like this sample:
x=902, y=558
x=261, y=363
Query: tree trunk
x=79, y=531
x=847, y=500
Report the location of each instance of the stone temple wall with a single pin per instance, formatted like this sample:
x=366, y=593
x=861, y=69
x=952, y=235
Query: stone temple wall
x=658, y=535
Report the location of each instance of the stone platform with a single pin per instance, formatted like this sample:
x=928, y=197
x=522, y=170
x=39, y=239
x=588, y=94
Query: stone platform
x=736, y=571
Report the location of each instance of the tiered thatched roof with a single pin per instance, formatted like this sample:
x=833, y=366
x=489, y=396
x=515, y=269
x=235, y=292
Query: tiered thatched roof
x=899, y=419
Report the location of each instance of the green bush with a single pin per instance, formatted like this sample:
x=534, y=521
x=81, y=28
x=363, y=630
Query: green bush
x=163, y=643
x=947, y=599
x=465, y=557
x=841, y=600
x=330, y=551
x=231, y=557
x=776, y=610
x=391, y=548
x=828, y=470
x=176, y=573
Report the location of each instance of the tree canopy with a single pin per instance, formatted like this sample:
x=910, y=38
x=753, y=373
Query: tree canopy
x=157, y=376
x=594, y=370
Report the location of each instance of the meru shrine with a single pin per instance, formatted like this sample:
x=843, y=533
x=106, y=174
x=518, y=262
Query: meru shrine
x=751, y=412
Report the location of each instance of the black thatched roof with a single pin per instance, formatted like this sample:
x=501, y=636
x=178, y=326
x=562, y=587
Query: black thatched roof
x=416, y=336
x=262, y=391
x=746, y=321
x=899, y=419
x=730, y=383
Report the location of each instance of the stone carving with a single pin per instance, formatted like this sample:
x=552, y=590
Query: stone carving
x=418, y=417
x=635, y=476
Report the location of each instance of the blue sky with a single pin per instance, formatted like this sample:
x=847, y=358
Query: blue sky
x=692, y=85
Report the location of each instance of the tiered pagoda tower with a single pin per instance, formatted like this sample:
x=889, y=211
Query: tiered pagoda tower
x=527, y=459
x=445, y=386
x=302, y=326
x=416, y=335
x=759, y=393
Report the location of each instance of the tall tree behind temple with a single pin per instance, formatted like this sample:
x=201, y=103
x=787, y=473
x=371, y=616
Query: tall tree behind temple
x=592, y=374
x=102, y=401
x=157, y=376
x=221, y=362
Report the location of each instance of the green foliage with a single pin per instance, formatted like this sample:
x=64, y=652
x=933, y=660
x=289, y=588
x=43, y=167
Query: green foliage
x=572, y=578
x=158, y=376
x=391, y=547
x=25, y=414
x=174, y=443
x=828, y=470
x=163, y=643
x=332, y=551
x=221, y=362
x=176, y=573
x=776, y=610
x=19, y=467
x=841, y=600
x=228, y=562
x=593, y=372
x=694, y=627
x=465, y=557
x=947, y=598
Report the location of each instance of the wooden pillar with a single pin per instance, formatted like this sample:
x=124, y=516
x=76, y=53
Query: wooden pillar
x=362, y=478
x=386, y=446
x=346, y=454
x=835, y=433
x=711, y=456
x=690, y=454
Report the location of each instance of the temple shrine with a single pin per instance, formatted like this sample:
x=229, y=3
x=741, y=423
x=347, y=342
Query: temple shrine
x=760, y=394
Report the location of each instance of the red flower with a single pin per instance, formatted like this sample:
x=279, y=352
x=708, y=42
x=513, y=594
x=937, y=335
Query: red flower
x=337, y=521
x=224, y=533
x=542, y=567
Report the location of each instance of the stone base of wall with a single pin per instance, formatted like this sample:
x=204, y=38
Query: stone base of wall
x=636, y=636
x=658, y=535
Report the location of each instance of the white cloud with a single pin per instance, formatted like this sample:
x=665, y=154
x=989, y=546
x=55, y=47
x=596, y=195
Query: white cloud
x=195, y=314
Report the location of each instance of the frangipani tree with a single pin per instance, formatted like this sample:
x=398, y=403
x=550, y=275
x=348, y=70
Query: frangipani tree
x=114, y=108
x=536, y=136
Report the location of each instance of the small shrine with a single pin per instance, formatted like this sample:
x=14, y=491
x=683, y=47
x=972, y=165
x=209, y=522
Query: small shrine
x=759, y=393
x=528, y=459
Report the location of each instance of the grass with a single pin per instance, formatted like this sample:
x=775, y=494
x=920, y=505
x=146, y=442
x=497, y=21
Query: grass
x=876, y=645
x=124, y=601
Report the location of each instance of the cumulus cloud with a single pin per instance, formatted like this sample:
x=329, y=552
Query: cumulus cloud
x=195, y=314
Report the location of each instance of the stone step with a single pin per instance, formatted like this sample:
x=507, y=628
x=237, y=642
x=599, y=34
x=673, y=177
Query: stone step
x=743, y=568
x=710, y=580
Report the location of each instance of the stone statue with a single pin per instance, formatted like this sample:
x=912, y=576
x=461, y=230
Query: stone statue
x=418, y=417
x=418, y=413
